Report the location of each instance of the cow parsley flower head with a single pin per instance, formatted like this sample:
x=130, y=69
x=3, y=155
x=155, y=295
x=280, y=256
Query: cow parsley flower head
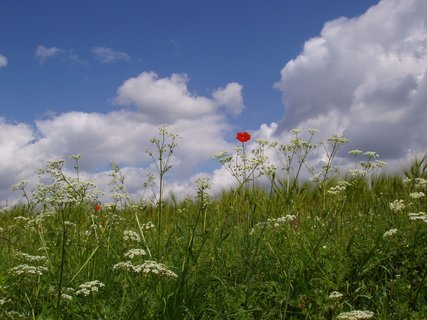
x=132, y=253
x=418, y=216
x=335, y=295
x=356, y=314
x=355, y=152
x=131, y=236
x=87, y=288
x=417, y=195
x=389, y=233
x=156, y=268
x=25, y=269
x=397, y=205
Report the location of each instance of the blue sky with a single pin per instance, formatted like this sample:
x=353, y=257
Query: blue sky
x=98, y=77
x=214, y=42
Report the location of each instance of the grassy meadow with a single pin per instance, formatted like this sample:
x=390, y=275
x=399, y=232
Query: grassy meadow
x=342, y=245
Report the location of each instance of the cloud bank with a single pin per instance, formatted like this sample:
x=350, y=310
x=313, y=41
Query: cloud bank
x=364, y=77
x=122, y=136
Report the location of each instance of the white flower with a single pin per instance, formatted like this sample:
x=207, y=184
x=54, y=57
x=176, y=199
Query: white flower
x=357, y=172
x=417, y=195
x=75, y=156
x=313, y=131
x=124, y=266
x=420, y=183
x=154, y=267
x=88, y=287
x=371, y=154
x=418, y=216
x=135, y=253
x=355, y=152
x=397, y=205
x=31, y=258
x=25, y=269
x=356, y=314
x=335, y=295
x=148, y=226
x=131, y=236
x=389, y=233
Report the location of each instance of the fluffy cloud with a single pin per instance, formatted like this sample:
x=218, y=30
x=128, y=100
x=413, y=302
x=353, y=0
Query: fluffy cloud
x=365, y=77
x=168, y=99
x=43, y=53
x=3, y=61
x=230, y=97
x=122, y=136
x=108, y=55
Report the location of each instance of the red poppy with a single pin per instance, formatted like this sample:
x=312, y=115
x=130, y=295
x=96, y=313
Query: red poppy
x=98, y=207
x=243, y=136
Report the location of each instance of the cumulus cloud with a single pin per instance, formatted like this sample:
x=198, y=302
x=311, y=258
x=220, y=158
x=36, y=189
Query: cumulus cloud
x=43, y=53
x=168, y=99
x=3, y=61
x=230, y=97
x=121, y=136
x=109, y=55
x=365, y=77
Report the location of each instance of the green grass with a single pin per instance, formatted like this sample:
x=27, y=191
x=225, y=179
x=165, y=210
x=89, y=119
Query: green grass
x=231, y=261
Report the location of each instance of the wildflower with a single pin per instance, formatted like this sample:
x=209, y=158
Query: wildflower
x=420, y=183
x=124, y=266
x=389, y=233
x=131, y=236
x=25, y=269
x=339, y=188
x=296, y=131
x=397, y=205
x=148, y=267
x=337, y=140
x=148, y=226
x=417, y=195
x=87, y=288
x=357, y=173
x=98, y=207
x=243, y=136
x=262, y=142
x=31, y=258
x=276, y=222
x=75, y=156
x=135, y=253
x=20, y=185
x=356, y=314
x=154, y=267
x=313, y=131
x=418, y=216
x=335, y=295
x=355, y=152
x=371, y=154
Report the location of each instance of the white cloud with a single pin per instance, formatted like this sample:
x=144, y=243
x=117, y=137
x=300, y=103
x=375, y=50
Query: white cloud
x=3, y=61
x=120, y=136
x=43, y=53
x=365, y=77
x=108, y=55
x=230, y=97
x=168, y=99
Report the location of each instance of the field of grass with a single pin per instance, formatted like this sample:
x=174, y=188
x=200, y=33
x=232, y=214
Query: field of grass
x=348, y=248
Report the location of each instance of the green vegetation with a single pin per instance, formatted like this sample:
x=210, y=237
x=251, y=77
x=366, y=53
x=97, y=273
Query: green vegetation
x=339, y=247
